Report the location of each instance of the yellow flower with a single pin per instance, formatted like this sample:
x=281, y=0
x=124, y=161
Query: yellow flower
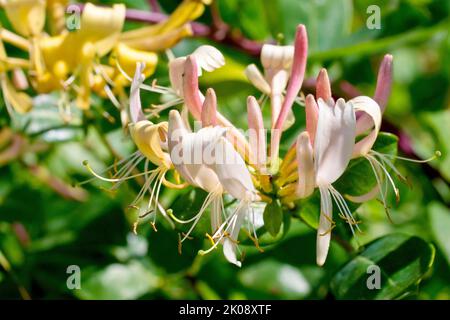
x=14, y=100
x=26, y=16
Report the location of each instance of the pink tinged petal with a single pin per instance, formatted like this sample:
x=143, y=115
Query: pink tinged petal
x=384, y=82
x=372, y=110
x=382, y=93
x=232, y=172
x=364, y=197
x=192, y=96
x=335, y=138
x=305, y=168
x=208, y=58
x=136, y=113
x=209, y=109
x=312, y=116
x=257, y=134
x=323, y=87
x=176, y=70
x=295, y=83
x=297, y=73
x=325, y=224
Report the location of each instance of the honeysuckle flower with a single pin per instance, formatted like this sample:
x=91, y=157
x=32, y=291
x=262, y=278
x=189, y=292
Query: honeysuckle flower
x=277, y=63
x=207, y=160
x=208, y=58
x=72, y=55
x=151, y=141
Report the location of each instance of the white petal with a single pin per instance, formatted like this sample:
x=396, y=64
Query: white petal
x=257, y=79
x=373, y=110
x=229, y=251
x=277, y=57
x=230, y=244
x=135, y=99
x=324, y=230
x=208, y=58
x=306, y=176
x=334, y=140
x=232, y=172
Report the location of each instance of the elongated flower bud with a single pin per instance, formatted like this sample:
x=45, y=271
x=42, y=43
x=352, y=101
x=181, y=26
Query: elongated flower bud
x=384, y=82
x=323, y=87
x=381, y=95
x=297, y=73
x=257, y=137
x=312, y=116
x=305, y=160
x=295, y=83
x=209, y=109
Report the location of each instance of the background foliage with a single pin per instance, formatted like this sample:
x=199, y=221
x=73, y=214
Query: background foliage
x=45, y=225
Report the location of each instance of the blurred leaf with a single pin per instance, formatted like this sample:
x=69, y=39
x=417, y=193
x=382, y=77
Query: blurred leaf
x=403, y=261
x=118, y=281
x=440, y=225
x=277, y=279
x=273, y=217
x=328, y=21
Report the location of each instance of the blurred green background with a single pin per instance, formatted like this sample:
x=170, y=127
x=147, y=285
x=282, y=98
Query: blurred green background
x=46, y=225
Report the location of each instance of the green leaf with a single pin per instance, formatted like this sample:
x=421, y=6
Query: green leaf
x=275, y=279
x=402, y=260
x=440, y=225
x=118, y=281
x=273, y=217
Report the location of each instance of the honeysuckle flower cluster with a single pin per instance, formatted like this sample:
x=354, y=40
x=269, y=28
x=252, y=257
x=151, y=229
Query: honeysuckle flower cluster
x=220, y=159
x=91, y=58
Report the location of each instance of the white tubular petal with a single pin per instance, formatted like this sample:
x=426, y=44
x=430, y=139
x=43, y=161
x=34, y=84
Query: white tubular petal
x=372, y=109
x=136, y=113
x=232, y=172
x=334, y=140
x=208, y=58
x=278, y=84
x=276, y=58
x=229, y=251
x=230, y=244
x=306, y=176
x=176, y=69
x=365, y=197
x=257, y=79
x=325, y=224
x=176, y=133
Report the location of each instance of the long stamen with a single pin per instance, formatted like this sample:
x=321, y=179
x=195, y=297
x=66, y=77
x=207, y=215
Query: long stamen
x=436, y=155
x=88, y=167
x=387, y=174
